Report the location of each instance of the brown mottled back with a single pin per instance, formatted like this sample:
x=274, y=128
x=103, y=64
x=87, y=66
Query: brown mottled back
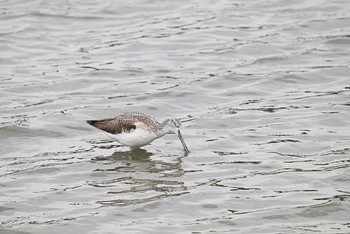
x=125, y=123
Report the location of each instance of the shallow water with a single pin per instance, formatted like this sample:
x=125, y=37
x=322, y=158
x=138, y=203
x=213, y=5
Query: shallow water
x=262, y=87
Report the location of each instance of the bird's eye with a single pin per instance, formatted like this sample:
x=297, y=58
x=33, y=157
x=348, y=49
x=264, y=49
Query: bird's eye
x=133, y=126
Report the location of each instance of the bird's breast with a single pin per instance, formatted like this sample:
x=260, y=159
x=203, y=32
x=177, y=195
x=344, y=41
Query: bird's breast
x=135, y=138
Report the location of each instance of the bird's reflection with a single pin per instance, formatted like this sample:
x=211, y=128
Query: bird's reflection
x=137, y=177
x=125, y=161
x=134, y=155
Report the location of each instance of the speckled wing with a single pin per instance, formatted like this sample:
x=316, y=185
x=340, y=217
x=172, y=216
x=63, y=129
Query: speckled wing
x=125, y=123
x=114, y=126
x=149, y=122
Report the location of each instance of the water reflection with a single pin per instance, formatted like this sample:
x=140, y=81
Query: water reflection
x=263, y=87
x=137, y=177
x=132, y=155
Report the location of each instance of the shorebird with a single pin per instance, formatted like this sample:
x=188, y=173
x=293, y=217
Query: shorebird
x=138, y=129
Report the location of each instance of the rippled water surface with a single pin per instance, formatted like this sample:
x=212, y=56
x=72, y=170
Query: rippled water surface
x=262, y=87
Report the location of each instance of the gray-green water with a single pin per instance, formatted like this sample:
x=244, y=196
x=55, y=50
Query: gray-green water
x=263, y=88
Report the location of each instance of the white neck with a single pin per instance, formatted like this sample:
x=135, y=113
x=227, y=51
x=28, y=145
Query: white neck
x=163, y=131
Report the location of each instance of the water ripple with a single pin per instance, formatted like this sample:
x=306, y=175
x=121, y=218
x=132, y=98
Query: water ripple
x=262, y=89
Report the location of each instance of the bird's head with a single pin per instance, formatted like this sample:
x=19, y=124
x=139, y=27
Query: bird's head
x=174, y=126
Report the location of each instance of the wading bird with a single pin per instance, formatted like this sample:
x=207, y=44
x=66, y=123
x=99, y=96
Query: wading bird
x=138, y=129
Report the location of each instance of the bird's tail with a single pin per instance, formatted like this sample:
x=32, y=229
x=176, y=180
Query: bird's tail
x=100, y=124
x=92, y=122
x=104, y=124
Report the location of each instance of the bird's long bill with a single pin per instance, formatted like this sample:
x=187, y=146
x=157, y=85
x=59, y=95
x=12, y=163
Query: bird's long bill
x=182, y=141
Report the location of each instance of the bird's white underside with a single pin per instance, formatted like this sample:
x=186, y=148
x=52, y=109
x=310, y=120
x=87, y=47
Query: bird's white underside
x=135, y=138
